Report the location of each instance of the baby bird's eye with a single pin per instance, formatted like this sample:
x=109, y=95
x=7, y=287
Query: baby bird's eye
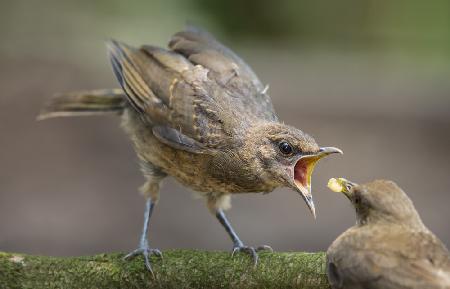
x=285, y=148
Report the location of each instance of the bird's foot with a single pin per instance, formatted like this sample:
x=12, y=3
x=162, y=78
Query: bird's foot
x=251, y=251
x=146, y=251
x=264, y=248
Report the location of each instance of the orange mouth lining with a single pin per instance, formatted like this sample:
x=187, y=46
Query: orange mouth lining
x=303, y=170
x=300, y=172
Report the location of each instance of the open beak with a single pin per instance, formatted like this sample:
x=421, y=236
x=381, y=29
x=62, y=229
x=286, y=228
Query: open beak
x=303, y=171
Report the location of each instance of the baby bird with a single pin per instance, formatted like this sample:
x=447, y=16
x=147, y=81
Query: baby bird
x=389, y=247
x=198, y=113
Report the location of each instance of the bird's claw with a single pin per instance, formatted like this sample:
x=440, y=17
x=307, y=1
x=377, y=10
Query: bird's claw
x=264, y=248
x=246, y=249
x=251, y=251
x=146, y=252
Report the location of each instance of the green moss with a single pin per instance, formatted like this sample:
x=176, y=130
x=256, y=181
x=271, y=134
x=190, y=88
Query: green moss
x=178, y=269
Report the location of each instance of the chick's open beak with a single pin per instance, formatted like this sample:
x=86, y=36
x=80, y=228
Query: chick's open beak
x=302, y=174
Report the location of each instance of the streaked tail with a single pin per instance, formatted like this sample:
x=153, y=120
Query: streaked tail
x=80, y=103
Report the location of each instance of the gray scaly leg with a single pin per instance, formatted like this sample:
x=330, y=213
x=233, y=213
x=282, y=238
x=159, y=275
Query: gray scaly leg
x=144, y=248
x=238, y=246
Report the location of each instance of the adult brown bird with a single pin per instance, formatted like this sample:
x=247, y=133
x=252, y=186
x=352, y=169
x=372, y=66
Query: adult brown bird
x=198, y=113
x=389, y=247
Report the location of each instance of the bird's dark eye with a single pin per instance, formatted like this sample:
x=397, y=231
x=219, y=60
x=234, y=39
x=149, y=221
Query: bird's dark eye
x=285, y=147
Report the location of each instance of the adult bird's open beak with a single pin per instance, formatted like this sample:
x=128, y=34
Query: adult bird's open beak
x=303, y=171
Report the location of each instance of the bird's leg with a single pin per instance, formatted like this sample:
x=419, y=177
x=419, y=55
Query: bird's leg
x=144, y=248
x=150, y=191
x=238, y=246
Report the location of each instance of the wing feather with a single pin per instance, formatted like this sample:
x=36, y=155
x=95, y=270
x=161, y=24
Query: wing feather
x=231, y=72
x=199, y=88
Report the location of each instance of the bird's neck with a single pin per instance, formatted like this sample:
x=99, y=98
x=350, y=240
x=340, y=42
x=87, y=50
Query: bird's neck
x=379, y=219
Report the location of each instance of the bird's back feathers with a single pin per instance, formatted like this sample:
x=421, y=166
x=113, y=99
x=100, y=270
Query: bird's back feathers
x=196, y=92
x=388, y=257
x=229, y=70
x=198, y=87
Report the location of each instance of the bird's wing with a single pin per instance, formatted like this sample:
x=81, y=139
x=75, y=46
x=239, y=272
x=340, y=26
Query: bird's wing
x=405, y=260
x=187, y=105
x=229, y=70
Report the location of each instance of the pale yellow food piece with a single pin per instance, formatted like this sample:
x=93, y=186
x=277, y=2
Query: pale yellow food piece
x=335, y=185
x=338, y=185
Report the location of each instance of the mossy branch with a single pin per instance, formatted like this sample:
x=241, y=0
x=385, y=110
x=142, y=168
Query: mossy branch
x=178, y=269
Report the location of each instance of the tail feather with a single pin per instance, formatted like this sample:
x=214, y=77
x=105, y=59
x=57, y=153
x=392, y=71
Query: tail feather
x=81, y=103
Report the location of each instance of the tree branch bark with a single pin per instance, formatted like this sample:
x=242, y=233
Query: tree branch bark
x=178, y=269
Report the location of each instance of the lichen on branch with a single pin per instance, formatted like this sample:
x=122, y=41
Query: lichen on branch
x=178, y=269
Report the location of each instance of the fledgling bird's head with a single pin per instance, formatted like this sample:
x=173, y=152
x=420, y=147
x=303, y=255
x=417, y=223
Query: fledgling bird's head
x=287, y=156
x=380, y=200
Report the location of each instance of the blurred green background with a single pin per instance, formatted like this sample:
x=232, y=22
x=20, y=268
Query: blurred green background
x=370, y=77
